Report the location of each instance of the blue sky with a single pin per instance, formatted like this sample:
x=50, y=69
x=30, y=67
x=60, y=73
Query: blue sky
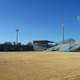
x=39, y=19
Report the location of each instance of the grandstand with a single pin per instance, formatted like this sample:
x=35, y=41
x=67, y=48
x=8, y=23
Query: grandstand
x=67, y=45
x=41, y=45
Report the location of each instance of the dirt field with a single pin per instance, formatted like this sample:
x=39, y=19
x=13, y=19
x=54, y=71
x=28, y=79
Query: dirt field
x=39, y=66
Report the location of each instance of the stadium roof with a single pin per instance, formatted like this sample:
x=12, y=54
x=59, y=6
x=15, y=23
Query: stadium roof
x=43, y=41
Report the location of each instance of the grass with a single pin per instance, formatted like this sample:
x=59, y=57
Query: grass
x=39, y=66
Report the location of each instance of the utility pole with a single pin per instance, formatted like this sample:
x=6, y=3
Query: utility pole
x=17, y=35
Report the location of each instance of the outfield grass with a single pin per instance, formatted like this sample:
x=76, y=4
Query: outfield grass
x=39, y=66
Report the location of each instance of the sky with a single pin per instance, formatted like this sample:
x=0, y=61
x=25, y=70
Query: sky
x=39, y=20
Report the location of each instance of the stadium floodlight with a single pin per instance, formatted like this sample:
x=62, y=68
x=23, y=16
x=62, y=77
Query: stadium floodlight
x=78, y=18
x=17, y=35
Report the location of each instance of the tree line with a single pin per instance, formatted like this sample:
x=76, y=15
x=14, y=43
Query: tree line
x=12, y=46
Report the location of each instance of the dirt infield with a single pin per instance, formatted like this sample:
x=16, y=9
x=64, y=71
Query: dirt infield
x=39, y=66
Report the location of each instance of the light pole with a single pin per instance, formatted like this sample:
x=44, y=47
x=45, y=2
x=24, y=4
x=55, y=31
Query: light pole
x=17, y=35
x=62, y=26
